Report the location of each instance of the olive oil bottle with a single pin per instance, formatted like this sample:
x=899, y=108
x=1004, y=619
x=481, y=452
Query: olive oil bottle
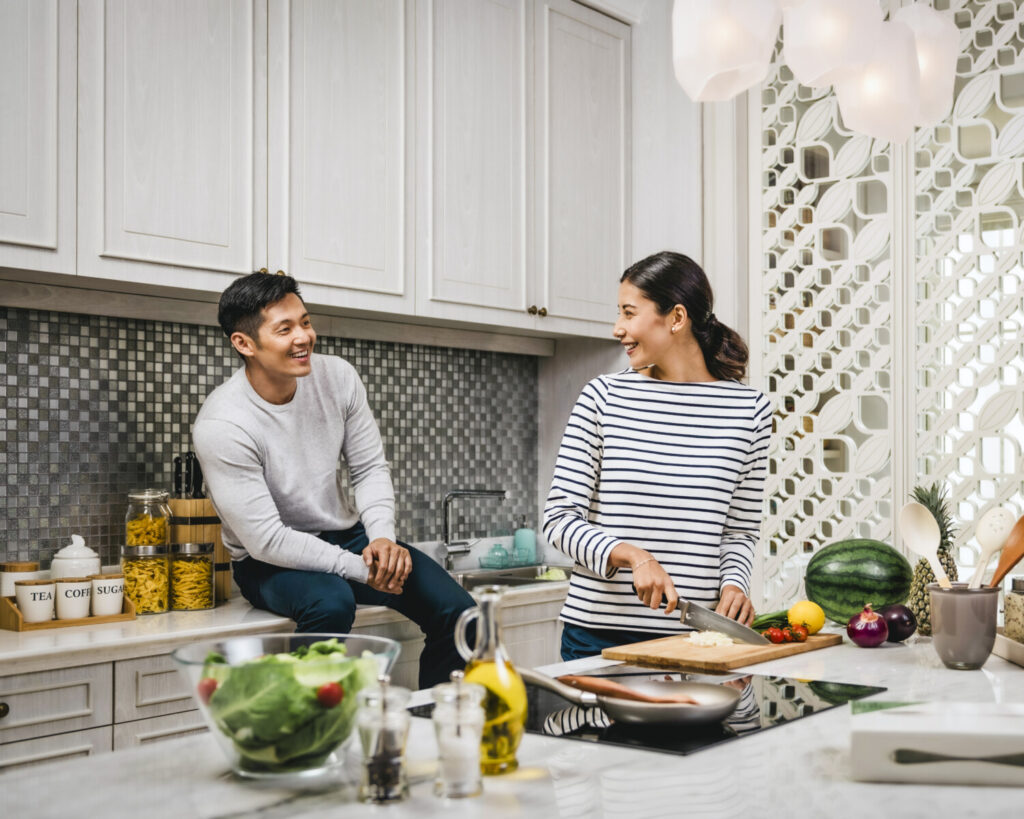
x=505, y=701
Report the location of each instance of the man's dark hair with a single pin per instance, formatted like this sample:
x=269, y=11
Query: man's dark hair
x=241, y=305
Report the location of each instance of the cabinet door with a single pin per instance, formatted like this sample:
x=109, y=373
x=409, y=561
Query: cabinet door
x=149, y=687
x=52, y=702
x=51, y=749
x=166, y=152
x=474, y=74
x=583, y=167
x=338, y=129
x=157, y=729
x=38, y=48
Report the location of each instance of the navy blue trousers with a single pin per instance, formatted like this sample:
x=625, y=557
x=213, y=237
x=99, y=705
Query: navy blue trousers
x=579, y=641
x=322, y=602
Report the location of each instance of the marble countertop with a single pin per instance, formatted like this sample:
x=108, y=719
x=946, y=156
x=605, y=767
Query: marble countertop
x=797, y=769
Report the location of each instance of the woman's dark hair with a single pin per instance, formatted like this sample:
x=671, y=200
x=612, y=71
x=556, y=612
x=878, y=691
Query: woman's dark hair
x=669, y=279
x=241, y=305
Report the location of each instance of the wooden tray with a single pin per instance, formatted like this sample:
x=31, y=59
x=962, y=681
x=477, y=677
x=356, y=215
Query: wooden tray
x=10, y=617
x=677, y=652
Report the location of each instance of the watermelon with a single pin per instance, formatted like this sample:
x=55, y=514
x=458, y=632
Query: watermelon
x=843, y=577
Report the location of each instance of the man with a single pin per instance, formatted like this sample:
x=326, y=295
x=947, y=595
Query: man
x=269, y=441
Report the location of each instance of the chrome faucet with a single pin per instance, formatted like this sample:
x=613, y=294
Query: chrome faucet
x=450, y=548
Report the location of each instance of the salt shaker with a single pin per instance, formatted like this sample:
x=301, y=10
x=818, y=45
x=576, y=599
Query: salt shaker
x=383, y=730
x=458, y=725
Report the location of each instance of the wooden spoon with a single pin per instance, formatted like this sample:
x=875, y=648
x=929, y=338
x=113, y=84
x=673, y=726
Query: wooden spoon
x=610, y=688
x=1013, y=551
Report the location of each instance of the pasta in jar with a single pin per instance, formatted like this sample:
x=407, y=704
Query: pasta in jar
x=192, y=576
x=146, y=577
x=147, y=522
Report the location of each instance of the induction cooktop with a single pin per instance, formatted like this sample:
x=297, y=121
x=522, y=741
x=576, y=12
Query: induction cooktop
x=765, y=701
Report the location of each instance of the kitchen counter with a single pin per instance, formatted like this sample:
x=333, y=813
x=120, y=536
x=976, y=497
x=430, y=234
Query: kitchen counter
x=46, y=649
x=797, y=769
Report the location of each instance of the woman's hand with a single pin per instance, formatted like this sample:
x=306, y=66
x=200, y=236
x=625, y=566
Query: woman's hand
x=650, y=580
x=735, y=604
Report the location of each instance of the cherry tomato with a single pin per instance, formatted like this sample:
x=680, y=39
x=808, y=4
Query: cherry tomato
x=787, y=635
x=774, y=634
x=799, y=633
x=205, y=688
x=329, y=694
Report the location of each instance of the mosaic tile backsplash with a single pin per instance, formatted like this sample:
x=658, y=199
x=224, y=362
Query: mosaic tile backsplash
x=92, y=407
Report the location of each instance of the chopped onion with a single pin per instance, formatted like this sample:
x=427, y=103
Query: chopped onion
x=710, y=638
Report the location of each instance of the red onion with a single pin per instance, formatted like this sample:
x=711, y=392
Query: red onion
x=867, y=629
x=900, y=620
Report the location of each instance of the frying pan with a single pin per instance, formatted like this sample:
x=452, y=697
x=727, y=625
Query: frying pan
x=714, y=702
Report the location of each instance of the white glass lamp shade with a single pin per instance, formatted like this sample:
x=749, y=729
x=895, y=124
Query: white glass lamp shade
x=938, y=48
x=879, y=97
x=721, y=48
x=821, y=39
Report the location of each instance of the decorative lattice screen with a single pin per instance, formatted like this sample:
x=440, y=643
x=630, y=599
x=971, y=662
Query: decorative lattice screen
x=836, y=288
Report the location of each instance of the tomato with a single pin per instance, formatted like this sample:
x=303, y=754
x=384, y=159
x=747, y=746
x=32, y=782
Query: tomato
x=205, y=688
x=329, y=694
x=787, y=635
x=774, y=634
x=800, y=633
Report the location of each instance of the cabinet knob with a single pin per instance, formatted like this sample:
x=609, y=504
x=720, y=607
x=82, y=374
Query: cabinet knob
x=542, y=312
x=281, y=273
x=532, y=309
x=5, y=709
x=263, y=270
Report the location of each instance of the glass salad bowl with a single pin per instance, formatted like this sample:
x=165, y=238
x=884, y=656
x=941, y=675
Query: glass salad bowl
x=281, y=705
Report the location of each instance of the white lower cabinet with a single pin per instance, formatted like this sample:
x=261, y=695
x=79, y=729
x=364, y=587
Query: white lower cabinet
x=54, y=702
x=53, y=748
x=156, y=729
x=149, y=687
x=88, y=709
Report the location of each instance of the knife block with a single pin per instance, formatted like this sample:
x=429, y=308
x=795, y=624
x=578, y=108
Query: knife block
x=194, y=520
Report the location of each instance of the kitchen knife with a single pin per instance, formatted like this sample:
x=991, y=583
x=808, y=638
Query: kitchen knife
x=197, y=479
x=704, y=619
x=188, y=461
x=178, y=489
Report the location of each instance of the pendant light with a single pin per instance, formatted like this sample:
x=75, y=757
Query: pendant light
x=721, y=48
x=938, y=47
x=880, y=97
x=824, y=38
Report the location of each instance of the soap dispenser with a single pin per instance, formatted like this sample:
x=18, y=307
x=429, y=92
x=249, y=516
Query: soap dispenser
x=524, y=544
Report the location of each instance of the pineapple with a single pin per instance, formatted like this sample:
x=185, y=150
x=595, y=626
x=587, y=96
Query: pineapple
x=934, y=498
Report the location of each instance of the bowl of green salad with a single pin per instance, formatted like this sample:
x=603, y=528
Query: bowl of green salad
x=281, y=705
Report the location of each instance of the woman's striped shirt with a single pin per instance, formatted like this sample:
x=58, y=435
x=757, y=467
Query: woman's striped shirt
x=677, y=469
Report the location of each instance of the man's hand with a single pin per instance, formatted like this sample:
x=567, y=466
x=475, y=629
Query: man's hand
x=389, y=565
x=735, y=604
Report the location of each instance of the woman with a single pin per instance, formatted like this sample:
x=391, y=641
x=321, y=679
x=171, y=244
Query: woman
x=659, y=479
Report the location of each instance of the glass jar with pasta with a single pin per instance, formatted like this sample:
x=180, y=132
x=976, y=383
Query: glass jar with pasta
x=148, y=520
x=147, y=578
x=191, y=576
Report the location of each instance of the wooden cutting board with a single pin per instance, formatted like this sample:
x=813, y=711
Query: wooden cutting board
x=677, y=652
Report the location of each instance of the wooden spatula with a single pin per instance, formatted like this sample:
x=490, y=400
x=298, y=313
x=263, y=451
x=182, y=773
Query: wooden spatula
x=1013, y=551
x=610, y=688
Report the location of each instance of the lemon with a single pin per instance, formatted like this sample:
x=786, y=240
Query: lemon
x=806, y=613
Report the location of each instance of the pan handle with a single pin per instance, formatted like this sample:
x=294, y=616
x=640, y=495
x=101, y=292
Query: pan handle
x=587, y=699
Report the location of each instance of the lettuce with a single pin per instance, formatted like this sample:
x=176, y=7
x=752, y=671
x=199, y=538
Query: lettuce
x=269, y=710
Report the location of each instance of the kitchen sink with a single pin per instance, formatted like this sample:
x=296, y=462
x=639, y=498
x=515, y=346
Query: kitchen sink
x=518, y=576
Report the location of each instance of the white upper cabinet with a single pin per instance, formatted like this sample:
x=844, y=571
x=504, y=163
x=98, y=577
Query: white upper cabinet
x=583, y=163
x=166, y=152
x=338, y=149
x=473, y=75
x=37, y=134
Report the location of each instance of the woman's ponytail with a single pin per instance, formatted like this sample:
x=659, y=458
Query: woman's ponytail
x=669, y=279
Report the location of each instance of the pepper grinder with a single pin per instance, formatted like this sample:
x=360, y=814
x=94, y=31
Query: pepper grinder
x=458, y=725
x=383, y=731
